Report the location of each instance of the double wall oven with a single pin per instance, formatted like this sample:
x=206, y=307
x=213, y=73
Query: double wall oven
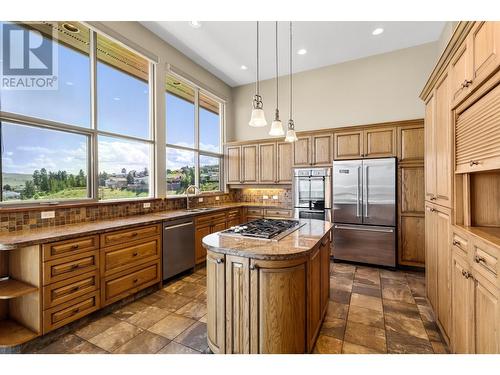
x=312, y=193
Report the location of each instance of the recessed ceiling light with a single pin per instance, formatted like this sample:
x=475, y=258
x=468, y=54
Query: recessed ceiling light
x=195, y=24
x=378, y=31
x=244, y=67
x=301, y=51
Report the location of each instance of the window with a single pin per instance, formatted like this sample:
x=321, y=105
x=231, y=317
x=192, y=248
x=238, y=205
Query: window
x=194, y=155
x=50, y=145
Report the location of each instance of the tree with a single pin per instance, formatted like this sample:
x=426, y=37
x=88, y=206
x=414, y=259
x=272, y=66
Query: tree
x=82, y=181
x=124, y=171
x=7, y=187
x=36, y=179
x=28, y=191
x=44, y=180
x=103, y=176
x=130, y=178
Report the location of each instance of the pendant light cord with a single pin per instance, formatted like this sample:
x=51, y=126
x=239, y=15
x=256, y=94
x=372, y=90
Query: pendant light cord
x=277, y=80
x=257, y=82
x=291, y=70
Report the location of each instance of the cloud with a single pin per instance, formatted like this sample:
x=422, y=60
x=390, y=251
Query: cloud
x=117, y=154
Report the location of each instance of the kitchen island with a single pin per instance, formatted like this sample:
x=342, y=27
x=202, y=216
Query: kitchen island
x=268, y=296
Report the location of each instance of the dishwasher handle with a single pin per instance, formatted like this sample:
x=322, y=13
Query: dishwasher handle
x=178, y=225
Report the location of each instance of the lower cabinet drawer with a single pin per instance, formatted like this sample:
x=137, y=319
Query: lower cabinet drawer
x=67, y=290
x=254, y=212
x=130, y=282
x=121, y=257
x=276, y=212
x=485, y=260
x=70, y=311
x=64, y=268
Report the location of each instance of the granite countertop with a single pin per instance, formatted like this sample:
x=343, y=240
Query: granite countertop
x=14, y=240
x=294, y=245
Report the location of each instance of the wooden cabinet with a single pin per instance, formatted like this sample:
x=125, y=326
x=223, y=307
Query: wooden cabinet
x=249, y=163
x=233, y=164
x=284, y=163
x=431, y=256
x=348, y=144
x=372, y=142
x=62, y=249
x=460, y=73
x=411, y=144
x=216, y=302
x=486, y=316
x=314, y=317
x=267, y=163
x=205, y=225
x=313, y=150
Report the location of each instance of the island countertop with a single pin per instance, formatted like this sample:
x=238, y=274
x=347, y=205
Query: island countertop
x=294, y=245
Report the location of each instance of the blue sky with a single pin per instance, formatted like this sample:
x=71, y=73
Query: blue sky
x=122, y=108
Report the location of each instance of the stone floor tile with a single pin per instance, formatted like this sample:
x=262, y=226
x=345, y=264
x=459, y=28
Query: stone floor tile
x=173, y=287
x=341, y=283
x=387, y=274
x=340, y=296
x=399, y=343
x=151, y=299
x=439, y=347
x=203, y=319
x=171, y=326
x=194, y=337
x=87, y=348
x=62, y=345
x=171, y=302
x=327, y=345
x=361, y=334
x=368, y=302
x=367, y=290
x=191, y=290
x=432, y=331
x=202, y=271
x=147, y=317
x=97, y=326
x=366, y=316
x=194, y=310
x=202, y=281
x=402, y=324
x=191, y=278
x=426, y=313
x=409, y=310
x=144, y=343
x=336, y=310
x=116, y=336
x=398, y=293
x=417, y=286
x=176, y=348
x=333, y=328
x=350, y=348
x=367, y=279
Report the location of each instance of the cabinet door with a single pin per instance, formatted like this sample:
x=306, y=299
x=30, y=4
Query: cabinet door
x=379, y=142
x=216, y=300
x=250, y=163
x=278, y=306
x=411, y=144
x=284, y=162
x=460, y=73
x=484, y=41
x=412, y=190
x=431, y=256
x=325, y=274
x=218, y=226
x=314, y=304
x=322, y=149
x=486, y=316
x=348, y=145
x=233, y=164
x=237, y=305
x=302, y=152
x=267, y=163
x=443, y=270
x=430, y=151
x=412, y=245
x=443, y=144
x=463, y=306
x=199, y=251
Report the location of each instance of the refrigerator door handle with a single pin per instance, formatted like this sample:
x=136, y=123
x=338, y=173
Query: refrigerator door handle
x=366, y=229
x=365, y=190
x=358, y=203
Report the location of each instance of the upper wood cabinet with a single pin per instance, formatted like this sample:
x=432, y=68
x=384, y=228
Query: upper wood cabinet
x=250, y=163
x=439, y=145
x=372, y=142
x=233, y=158
x=267, y=163
x=284, y=162
x=484, y=50
x=460, y=73
x=315, y=150
x=411, y=144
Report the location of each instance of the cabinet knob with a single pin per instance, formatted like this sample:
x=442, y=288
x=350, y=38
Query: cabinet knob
x=467, y=83
x=219, y=260
x=473, y=163
x=457, y=244
x=479, y=259
x=433, y=198
x=254, y=267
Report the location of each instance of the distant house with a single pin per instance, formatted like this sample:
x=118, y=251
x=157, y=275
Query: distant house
x=174, y=182
x=116, y=182
x=10, y=195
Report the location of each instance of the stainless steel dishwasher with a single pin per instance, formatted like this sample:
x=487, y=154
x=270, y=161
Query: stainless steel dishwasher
x=178, y=246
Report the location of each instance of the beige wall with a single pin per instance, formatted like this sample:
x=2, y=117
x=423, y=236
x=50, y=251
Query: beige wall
x=374, y=89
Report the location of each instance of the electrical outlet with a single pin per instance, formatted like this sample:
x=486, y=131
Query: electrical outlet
x=275, y=197
x=146, y=205
x=265, y=197
x=217, y=198
x=48, y=214
x=200, y=200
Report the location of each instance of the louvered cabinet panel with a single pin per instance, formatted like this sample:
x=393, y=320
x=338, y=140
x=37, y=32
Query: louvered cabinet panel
x=477, y=135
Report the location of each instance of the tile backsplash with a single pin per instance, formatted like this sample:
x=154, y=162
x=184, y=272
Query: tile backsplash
x=258, y=195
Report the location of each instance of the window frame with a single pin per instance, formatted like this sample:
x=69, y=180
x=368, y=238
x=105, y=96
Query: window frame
x=196, y=149
x=92, y=134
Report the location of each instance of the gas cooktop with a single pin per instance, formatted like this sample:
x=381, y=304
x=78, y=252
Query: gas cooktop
x=265, y=229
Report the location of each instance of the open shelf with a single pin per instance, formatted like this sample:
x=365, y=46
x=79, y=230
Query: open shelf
x=12, y=288
x=13, y=333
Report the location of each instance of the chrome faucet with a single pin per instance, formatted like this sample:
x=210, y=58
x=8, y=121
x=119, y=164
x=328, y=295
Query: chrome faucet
x=196, y=191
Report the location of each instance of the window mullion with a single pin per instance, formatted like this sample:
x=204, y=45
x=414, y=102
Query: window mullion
x=197, y=137
x=93, y=154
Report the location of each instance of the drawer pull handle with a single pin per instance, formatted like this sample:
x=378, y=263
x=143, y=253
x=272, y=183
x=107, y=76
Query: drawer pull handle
x=136, y=281
x=135, y=254
x=433, y=198
x=479, y=259
x=75, y=266
x=74, y=247
x=467, y=274
x=467, y=83
x=135, y=234
x=75, y=311
x=457, y=244
x=75, y=289
x=219, y=261
x=473, y=163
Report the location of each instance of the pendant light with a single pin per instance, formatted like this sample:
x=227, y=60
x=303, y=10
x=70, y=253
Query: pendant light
x=276, y=125
x=257, y=118
x=290, y=133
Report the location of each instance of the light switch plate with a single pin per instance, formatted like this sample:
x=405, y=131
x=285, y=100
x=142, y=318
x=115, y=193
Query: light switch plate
x=275, y=197
x=48, y=214
x=146, y=205
x=265, y=197
x=200, y=200
x=217, y=198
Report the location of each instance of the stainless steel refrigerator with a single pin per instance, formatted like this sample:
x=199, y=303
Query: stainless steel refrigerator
x=364, y=211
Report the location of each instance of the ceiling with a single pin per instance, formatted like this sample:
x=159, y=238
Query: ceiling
x=223, y=47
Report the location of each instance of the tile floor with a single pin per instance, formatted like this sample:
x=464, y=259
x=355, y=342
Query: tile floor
x=370, y=310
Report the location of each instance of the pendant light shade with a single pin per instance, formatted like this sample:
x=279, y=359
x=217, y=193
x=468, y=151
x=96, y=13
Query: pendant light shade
x=257, y=118
x=276, y=126
x=290, y=133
